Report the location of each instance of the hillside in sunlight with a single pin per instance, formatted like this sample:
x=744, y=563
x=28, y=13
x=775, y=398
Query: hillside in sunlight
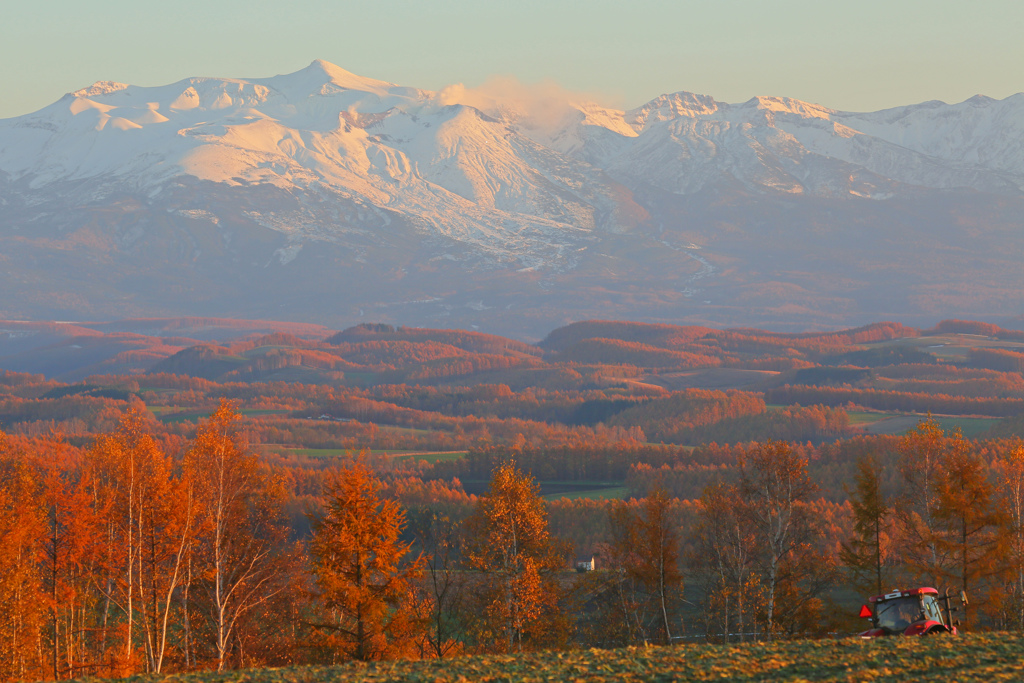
x=678, y=385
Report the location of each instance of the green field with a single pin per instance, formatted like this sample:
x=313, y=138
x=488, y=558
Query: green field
x=311, y=452
x=429, y=456
x=555, y=490
x=355, y=378
x=162, y=410
x=951, y=346
x=970, y=426
x=603, y=492
x=858, y=417
x=897, y=423
x=169, y=415
x=992, y=657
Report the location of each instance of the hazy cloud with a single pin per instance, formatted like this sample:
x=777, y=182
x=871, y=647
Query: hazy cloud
x=534, y=104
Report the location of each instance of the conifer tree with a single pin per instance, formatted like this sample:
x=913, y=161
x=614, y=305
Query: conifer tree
x=863, y=553
x=969, y=522
x=22, y=599
x=72, y=551
x=357, y=559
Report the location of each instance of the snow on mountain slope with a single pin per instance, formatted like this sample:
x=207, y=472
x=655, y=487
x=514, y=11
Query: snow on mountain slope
x=326, y=196
x=980, y=132
x=681, y=142
x=686, y=141
x=504, y=181
x=447, y=168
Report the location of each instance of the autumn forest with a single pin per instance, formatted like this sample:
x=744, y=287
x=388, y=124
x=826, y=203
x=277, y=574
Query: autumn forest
x=175, y=503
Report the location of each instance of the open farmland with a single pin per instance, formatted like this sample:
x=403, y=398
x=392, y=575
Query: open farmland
x=886, y=423
x=952, y=346
x=990, y=657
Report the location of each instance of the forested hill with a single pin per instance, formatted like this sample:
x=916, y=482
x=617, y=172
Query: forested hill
x=623, y=396
x=240, y=349
x=657, y=383
x=625, y=447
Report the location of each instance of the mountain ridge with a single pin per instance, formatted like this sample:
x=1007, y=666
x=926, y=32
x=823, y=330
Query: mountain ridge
x=447, y=207
x=305, y=95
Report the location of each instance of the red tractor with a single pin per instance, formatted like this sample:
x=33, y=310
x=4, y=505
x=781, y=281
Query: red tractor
x=916, y=612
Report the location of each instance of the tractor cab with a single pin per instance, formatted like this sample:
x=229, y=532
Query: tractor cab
x=915, y=612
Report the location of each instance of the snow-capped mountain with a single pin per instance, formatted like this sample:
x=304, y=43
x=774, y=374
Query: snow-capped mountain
x=793, y=146
x=321, y=132
x=364, y=170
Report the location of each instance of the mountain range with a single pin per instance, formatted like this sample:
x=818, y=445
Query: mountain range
x=326, y=197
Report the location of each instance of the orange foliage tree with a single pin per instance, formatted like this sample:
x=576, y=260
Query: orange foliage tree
x=129, y=474
x=775, y=489
x=73, y=552
x=510, y=545
x=645, y=550
x=237, y=561
x=357, y=559
x=22, y=600
x=148, y=515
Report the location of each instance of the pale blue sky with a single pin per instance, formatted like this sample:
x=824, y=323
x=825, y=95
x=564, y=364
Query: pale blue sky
x=861, y=55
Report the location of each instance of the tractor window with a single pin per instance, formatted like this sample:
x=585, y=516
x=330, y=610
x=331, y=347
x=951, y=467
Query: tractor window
x=931, y=608
x=898, y=614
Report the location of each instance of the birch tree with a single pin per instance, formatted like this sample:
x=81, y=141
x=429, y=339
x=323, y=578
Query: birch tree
x=1011, y=498
x=129, y=473
x=775, y=486
x=923, y=454
x=510, y=544
x=239, y=562
x=725, y=554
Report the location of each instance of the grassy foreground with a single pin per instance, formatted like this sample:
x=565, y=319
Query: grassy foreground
x=991, y=657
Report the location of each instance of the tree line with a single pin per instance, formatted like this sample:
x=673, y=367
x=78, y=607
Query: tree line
x=879, y=399
x=119, y=558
